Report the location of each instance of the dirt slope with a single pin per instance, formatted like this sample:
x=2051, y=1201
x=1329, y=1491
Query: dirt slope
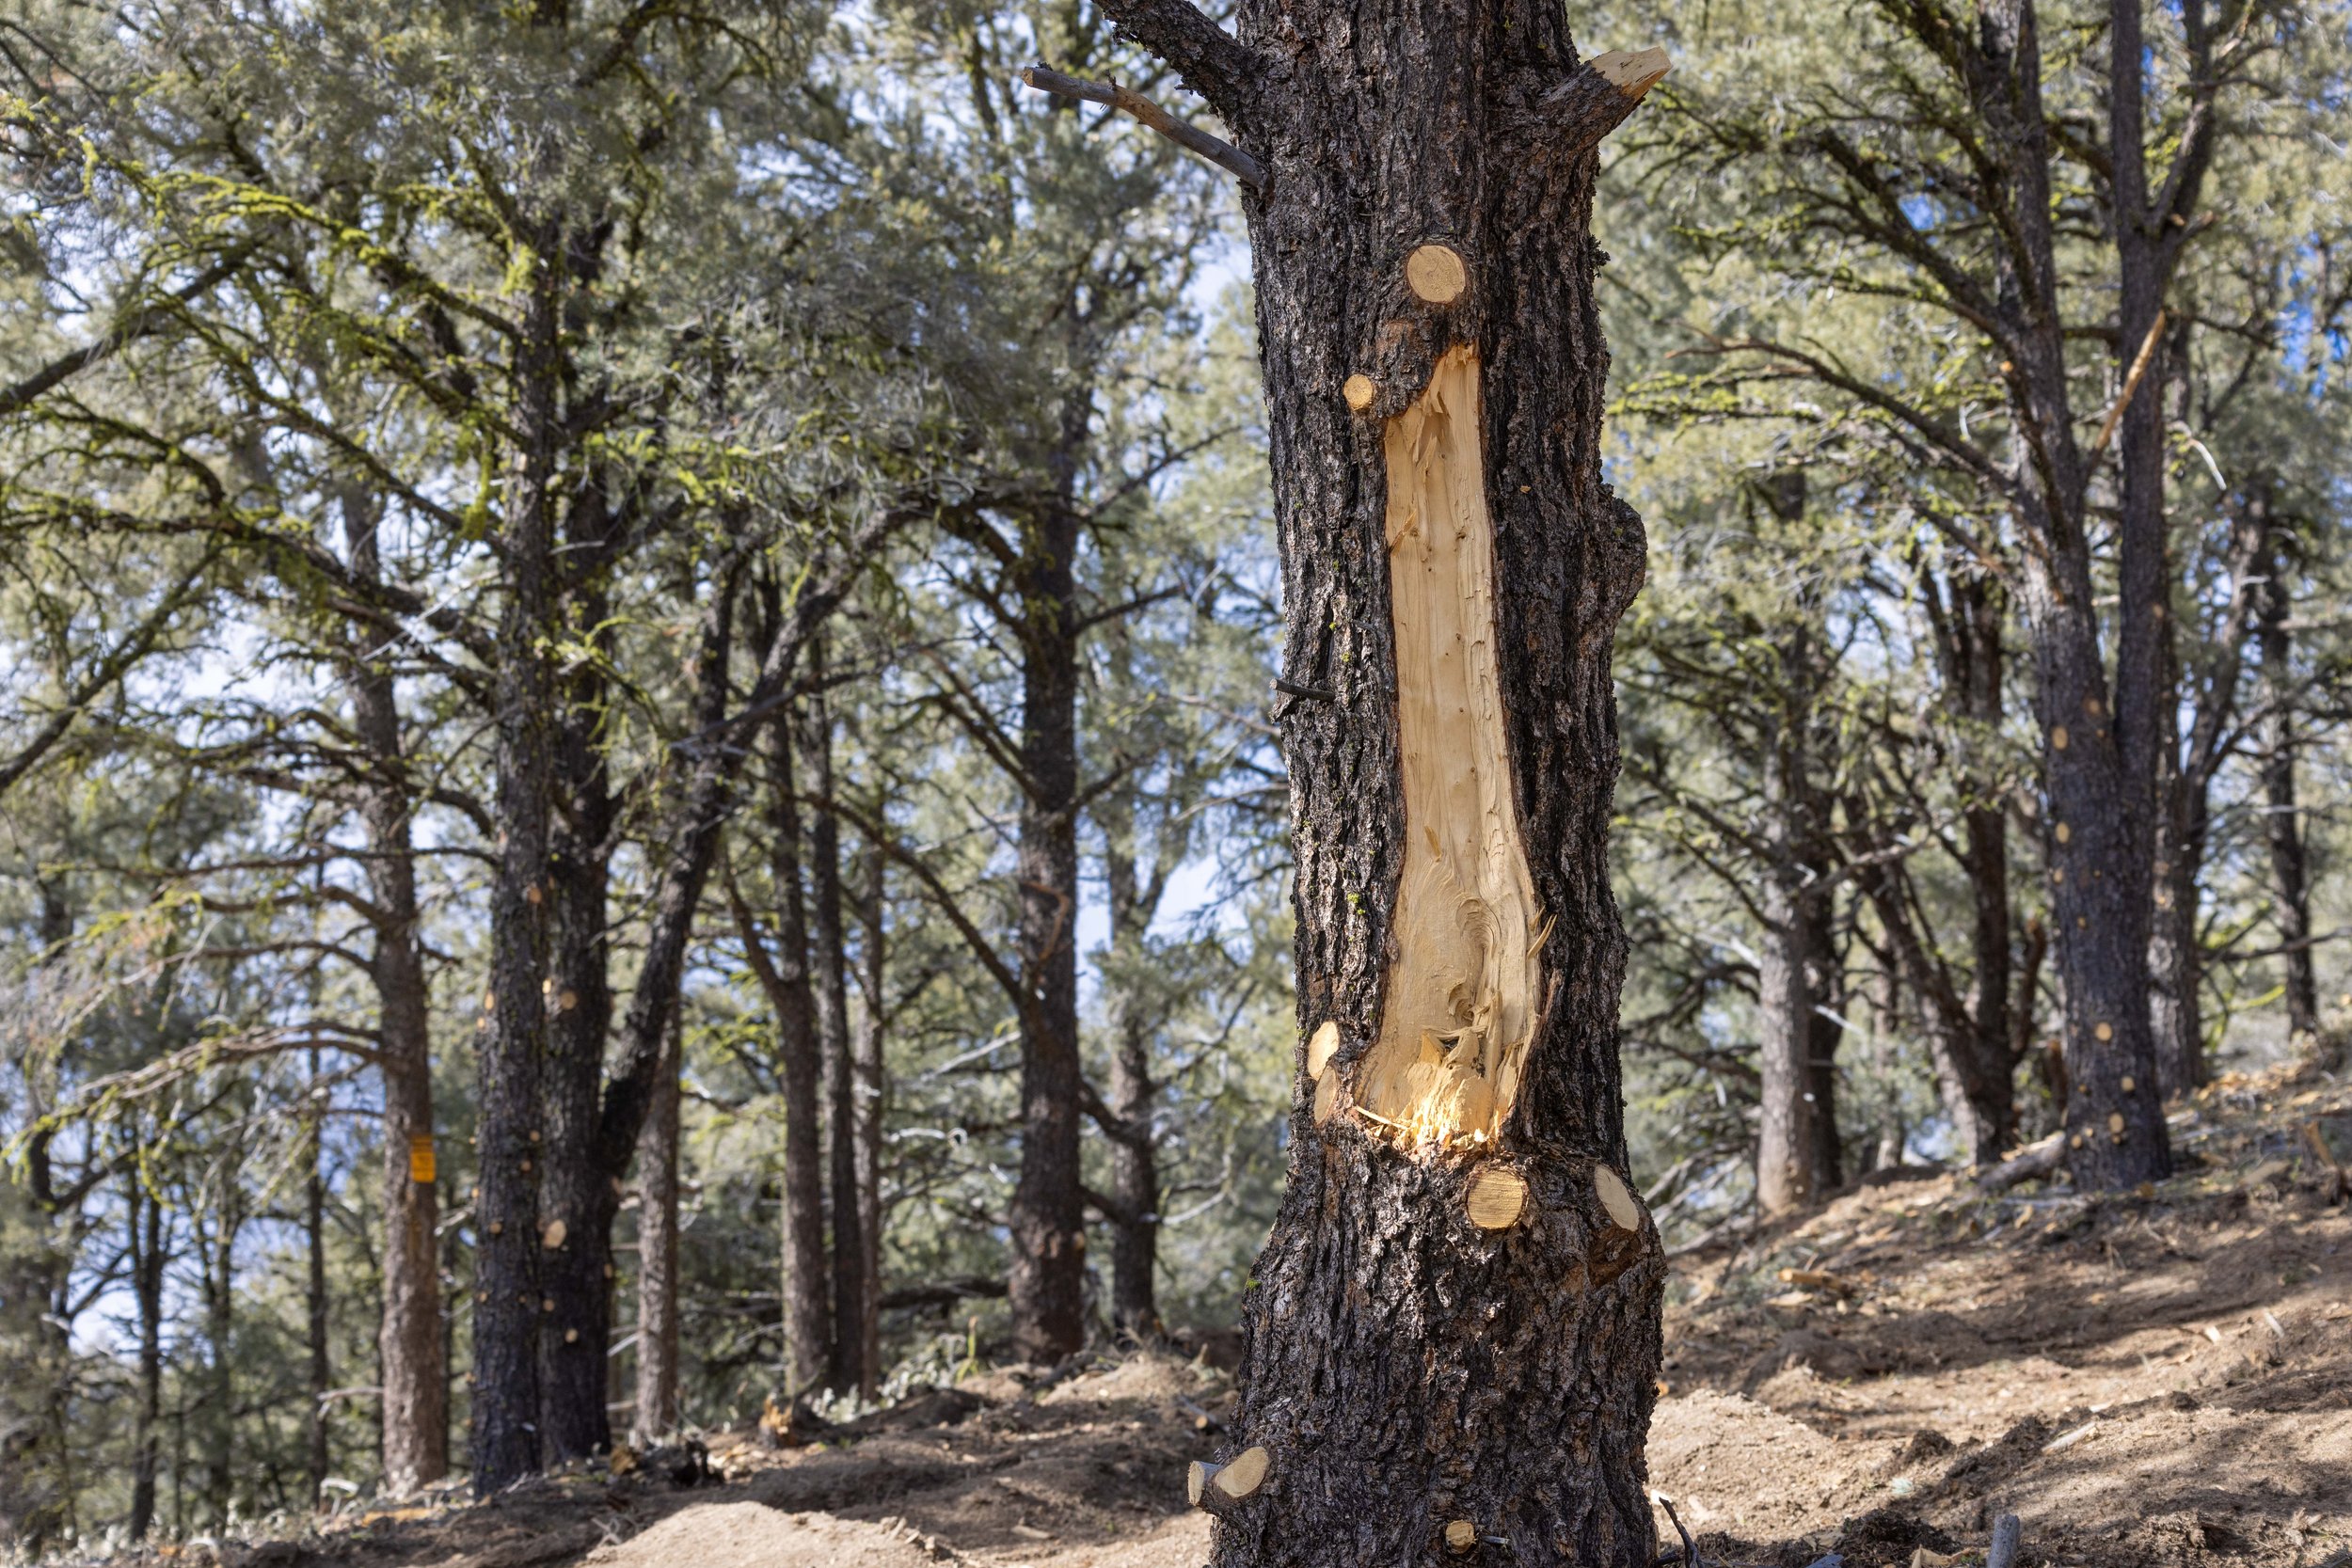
x=2162, y=1380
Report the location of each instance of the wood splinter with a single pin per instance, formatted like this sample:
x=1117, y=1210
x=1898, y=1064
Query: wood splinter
x=1220, y=1488
x=1496, y=1198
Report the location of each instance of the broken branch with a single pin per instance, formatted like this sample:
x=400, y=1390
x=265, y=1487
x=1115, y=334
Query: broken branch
x=1604, y=90
x=1111, y=95
x=2141, y=363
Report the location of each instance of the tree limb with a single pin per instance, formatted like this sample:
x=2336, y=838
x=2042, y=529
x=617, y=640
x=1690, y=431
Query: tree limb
x=1191, y=137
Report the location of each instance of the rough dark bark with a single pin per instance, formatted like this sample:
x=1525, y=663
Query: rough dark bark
x=827, y=941
x=410, y=1354
x=1133, y=1212
x=217, y=1282
x=656, y=1411
x=872, y=1089
x=580, y=1187
x=1403, y=1367
x=1796, y=1154
x=319, y=1456
x=148, y=1260
x=515, y=1041
x=1046, y=1281
x=784, y=976
x=2282, y=828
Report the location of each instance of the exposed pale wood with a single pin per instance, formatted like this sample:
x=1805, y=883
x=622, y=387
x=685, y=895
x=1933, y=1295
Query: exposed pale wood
x=552, y=1237
x=1243, y=1474
x=1196, y=1477
x=1463, y=987
x=1322, y=1047
x=1617, y=1198
x=1497, y=1196
x=1359, y=391
x=1460, y=1536
x=1435, y=274
x=1632, y=72
x=1815, y=1279
x=1327, y=1097
x=2035, y=1160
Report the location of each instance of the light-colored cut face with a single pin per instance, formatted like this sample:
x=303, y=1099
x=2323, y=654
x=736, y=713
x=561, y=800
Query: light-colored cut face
x=553, y=1236
x=1435, y=274
x=1360, y=391
x=1616, y=1197
x=1322, y=1047
x=1495, y=1198
x=1460, y=1002
x=1245, y=1474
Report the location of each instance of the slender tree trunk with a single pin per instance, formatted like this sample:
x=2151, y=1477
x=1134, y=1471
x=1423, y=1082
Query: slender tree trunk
x=1047, y=1281
x=515, y=1041
x=657, y=1408
x=321, y=1456
x=147, y=1290
x=807, y=1292
x=1796, y=1155
x=2175, y=955
x=871, y=1090
x=412, y=1360
x=1134, y=1212
x=2290, y=865
x=827, y=938
x=220, y=1376
x=1446, y=539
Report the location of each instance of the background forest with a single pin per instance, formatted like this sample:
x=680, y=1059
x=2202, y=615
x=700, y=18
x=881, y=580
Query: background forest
x=759, y=496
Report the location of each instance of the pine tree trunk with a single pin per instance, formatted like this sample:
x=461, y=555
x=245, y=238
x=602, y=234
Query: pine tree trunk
x=147, y=1289
x=1046, y=1281
x=578, y=1191
x=1796, y=1155
x=503, y=1442
x=412, y=1369
x=1454, y=569
x=656, y=1410
x=320, y=1456
x=871, y=1089
x=807, y=1290
x=1134, y=1212
x=827, y=943
x=2282, y=829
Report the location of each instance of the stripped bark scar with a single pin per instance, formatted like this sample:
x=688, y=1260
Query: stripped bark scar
x=1461, y=1000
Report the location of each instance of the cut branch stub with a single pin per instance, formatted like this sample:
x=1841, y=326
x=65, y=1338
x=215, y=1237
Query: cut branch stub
x=1460, y=1536
x=1359, y=390
x=552, y=1237
x=1632, y=72
x=1220, y=1488
x=1435, y=274
x=1497, y=1197
x=1327, y=1097
x=1617, y=1198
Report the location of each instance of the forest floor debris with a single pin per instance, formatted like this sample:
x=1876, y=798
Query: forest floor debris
x=2153, y=1380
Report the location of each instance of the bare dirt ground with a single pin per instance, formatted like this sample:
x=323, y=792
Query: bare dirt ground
x=2160, y=1380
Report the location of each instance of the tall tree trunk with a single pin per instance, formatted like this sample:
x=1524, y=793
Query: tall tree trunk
x=412, y=1366
x=1796, y=1155
x=1454, y=569
x=2282, y=828
x=219, y=1285
x=1133, y=1212
x=656, y=1407
x=146, y=1292
x=871, y=1090
x=515, y=1045
x=827, y=939
x=321, y=1457
x=579, y=1190
x=2099, y=750
x=1047, y=1279
x=807, y=1290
